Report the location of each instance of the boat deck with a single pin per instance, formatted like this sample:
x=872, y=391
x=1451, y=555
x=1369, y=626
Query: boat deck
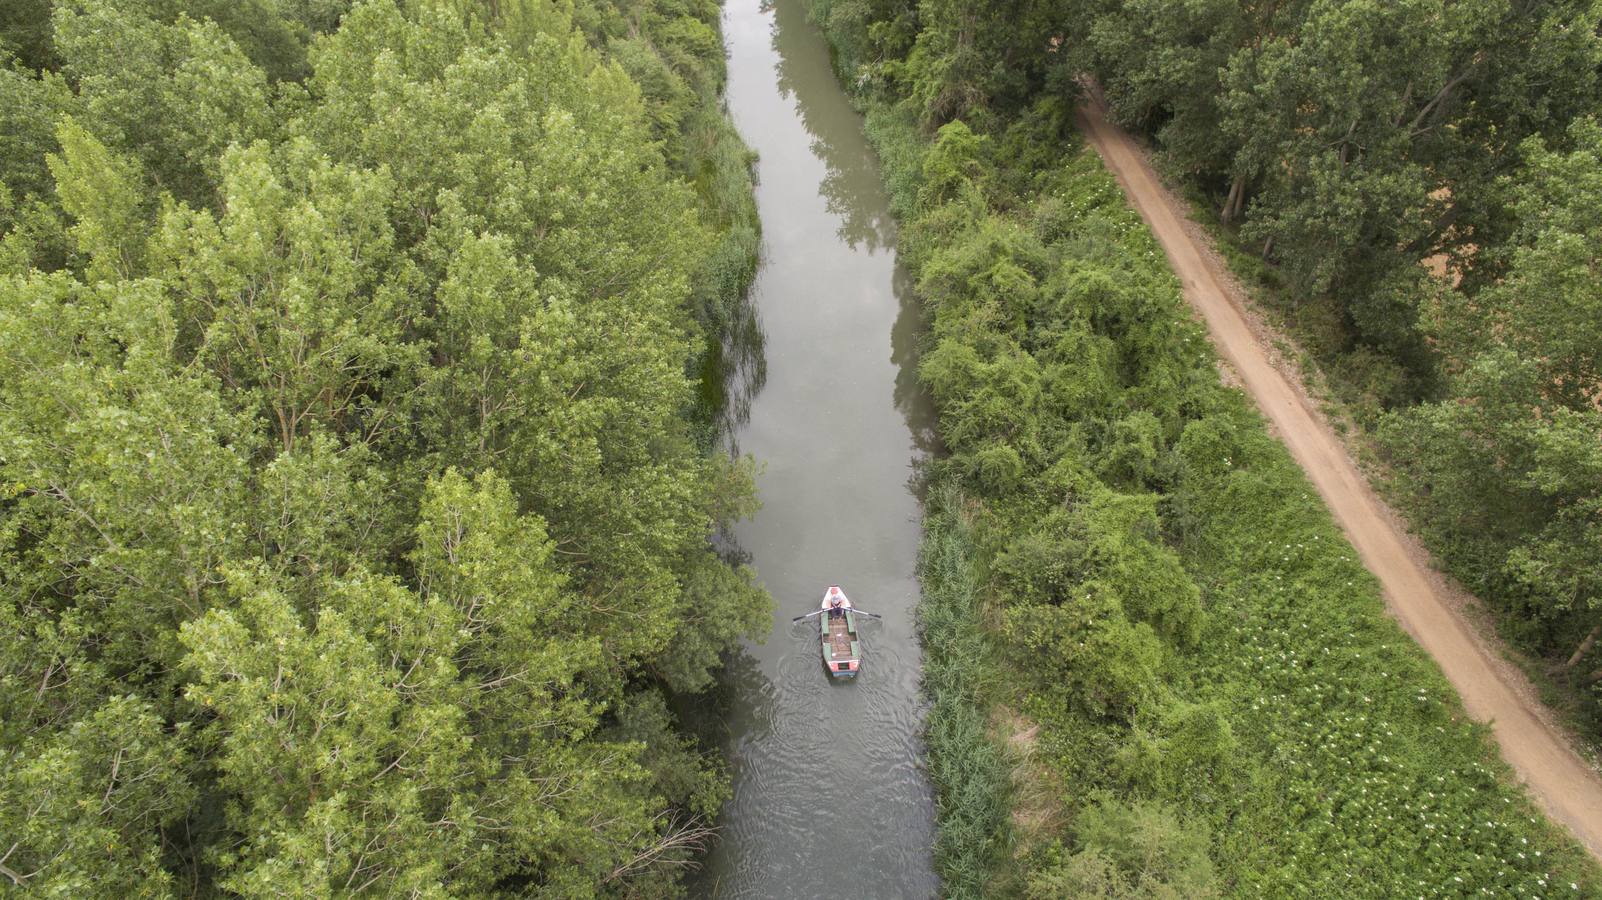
x=839, y=639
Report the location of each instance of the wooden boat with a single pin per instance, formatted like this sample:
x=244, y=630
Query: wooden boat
x=842, y=651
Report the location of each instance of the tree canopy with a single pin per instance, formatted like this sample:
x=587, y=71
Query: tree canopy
x=354, y=494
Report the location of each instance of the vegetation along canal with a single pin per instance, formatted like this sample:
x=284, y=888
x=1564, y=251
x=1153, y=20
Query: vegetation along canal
x=829, y=795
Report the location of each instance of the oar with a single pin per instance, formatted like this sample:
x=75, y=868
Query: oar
x=860, y=612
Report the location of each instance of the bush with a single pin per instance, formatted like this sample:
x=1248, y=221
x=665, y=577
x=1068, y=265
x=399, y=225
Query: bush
x=1139, y=849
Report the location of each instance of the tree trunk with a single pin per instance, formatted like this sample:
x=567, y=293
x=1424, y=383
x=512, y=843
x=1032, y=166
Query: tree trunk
x=1584, y=648
x=1236, y=200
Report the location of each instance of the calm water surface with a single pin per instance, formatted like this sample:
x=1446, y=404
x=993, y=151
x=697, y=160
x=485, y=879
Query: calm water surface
x=830, y=799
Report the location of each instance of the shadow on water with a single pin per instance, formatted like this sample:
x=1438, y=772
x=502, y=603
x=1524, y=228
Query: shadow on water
x=742, y=693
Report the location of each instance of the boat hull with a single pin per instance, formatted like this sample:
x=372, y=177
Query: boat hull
x=842, y=650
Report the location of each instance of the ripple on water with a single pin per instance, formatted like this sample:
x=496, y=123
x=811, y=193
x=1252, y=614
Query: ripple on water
x=829, y=775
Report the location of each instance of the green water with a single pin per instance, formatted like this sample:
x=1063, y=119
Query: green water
x=831, y=799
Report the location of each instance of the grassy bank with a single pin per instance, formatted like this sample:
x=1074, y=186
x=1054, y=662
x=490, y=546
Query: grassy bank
x=1215, y=683
x=970, y=772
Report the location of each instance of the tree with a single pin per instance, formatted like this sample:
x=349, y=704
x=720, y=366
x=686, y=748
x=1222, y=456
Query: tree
x=352, y=526
x=25, y=32
x=1510, y=463
x=1163, y=65
x=296, y=296
x=1354, y=139
x=1139, y=849
x=89, y=807
x=101, y=192
x=125, y=479
x=129, y=471
x=28, y=113
x=419, y=740
x=967, y=58
x=171, y=96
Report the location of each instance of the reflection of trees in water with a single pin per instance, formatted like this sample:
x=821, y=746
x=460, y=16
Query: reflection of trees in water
x=728, y=548
x=906, y=341
x=739, y=368
x=851, y=185
x=853, y=189
x=739, y=700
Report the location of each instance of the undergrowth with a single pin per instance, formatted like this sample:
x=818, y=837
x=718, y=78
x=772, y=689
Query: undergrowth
x=674, y=52
x=1213, y=674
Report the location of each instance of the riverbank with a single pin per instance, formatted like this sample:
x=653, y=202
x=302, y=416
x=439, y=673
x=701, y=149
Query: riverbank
x=1202, y=664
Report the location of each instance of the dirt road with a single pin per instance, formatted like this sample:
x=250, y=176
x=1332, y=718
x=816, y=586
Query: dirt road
x=1561, y=782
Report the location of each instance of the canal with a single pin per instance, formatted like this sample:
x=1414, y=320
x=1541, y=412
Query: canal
x=830, y=797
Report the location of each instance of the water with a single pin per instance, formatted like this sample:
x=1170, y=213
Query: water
x=830, y=799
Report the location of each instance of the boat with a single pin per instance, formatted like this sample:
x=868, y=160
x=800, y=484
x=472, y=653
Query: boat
x=842, y=651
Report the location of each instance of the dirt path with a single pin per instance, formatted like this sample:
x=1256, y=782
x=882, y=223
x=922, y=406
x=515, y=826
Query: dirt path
x=1561, y=782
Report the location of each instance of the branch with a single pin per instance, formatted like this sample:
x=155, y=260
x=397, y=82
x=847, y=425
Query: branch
x=116, y=766
x=1584, y=647
x=1441, y=95
x=692, y=836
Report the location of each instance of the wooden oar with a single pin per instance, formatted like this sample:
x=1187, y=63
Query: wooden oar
x=860, y=612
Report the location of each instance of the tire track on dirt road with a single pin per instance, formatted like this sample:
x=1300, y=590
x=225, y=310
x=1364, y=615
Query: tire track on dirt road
x=1561, y=782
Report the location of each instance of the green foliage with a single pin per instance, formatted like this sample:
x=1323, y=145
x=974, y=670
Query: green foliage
x=296, y=293
x=29, y=108
x=868, y=38
x=88, y=805
x=1214, y=678
x=25, y=33
x=1395, y=164
x=1353, y=138
x=969, y=61
x=970, y=773
x=1504, y=474
x=353, y=521
x=393, y=739
x=100, y=192
x=126, y=472
x=1138, y=849
x=1350, y=141
x=171, y=96
x=675, y=53
x=1524, y=366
